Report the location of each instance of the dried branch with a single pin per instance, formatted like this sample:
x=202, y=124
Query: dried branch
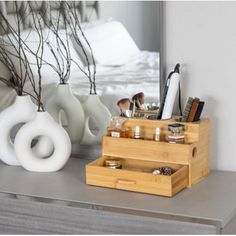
x=14, y=47
x=38, y=55
x=19, y=45
x=60, y=50
x=14, y=43
x=72, y=18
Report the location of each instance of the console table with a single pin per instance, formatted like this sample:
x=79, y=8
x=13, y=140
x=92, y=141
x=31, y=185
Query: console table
x=61, y=203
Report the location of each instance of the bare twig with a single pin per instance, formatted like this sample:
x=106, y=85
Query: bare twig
x=61, y=49
x=73, y=21
x=14, y=43
x=18, y=45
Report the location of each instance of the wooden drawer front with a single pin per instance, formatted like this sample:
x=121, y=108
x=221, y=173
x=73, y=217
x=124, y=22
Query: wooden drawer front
x=148, y=150
x=134, y=180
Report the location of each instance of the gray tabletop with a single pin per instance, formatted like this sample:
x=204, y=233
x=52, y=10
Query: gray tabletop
x=212, y=200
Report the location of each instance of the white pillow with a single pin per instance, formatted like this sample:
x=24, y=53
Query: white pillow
x=31, y=39
x=95, y=23
x=111, y=44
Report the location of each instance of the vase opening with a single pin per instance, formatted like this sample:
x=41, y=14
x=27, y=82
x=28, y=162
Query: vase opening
x=14, y=131
x=42, y=151
x=93, y=126
x=63, y=119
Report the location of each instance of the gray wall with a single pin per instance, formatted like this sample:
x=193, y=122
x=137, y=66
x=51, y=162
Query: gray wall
x=141, y=19
x=202, y=36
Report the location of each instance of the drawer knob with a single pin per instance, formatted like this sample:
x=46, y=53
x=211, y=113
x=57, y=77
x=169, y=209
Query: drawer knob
x=126, y=181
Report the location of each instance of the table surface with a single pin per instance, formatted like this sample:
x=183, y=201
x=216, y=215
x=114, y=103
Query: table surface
x=212, y=200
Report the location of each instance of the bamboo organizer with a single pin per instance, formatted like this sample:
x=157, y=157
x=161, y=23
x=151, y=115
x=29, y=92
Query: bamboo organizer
x=139, y=157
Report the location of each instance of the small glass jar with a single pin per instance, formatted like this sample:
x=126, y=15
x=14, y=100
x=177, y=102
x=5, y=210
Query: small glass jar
x=115, y=128
x=114, y=132
x=137, y=132
x=125, y=132
x=176, y=134
x=113, y=164
x=156, y=136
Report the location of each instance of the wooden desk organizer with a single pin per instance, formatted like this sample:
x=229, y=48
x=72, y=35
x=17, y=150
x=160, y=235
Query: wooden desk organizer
x=140, y=157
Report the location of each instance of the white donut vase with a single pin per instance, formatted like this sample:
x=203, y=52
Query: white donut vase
x=94, y=108
x=21, y=111
x=42, y=125
x=64, y=100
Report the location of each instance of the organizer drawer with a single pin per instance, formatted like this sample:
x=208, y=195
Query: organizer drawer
x=136, y=175
x=149, y=150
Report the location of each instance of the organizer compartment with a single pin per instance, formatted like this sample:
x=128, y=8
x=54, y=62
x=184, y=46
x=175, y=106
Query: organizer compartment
x=136, y=175
x=148, y=150
x=192, y=129
x=197, y=136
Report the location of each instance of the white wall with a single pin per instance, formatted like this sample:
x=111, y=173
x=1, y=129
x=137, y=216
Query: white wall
x=202, y=36
x=139, y=17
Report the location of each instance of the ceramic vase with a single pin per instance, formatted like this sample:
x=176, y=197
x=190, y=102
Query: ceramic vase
x=42, y=125
x=64, y=100
x=21, y=111
x=94, y=108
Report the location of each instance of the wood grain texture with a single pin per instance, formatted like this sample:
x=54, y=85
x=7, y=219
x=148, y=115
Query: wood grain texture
x=191, y=128
x=133, y=177
x=200, y=164
x=140, y=156
x=147, y=150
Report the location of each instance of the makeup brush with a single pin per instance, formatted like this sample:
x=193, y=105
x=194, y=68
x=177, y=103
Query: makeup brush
x=124, y=104
x=138, y=99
